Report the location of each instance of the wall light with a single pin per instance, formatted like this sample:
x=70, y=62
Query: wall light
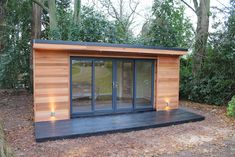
x=167, y=107
x=52, y=107
x=52, y=115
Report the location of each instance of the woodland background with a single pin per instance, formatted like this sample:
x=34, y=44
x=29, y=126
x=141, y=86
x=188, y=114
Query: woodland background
x=207, y=72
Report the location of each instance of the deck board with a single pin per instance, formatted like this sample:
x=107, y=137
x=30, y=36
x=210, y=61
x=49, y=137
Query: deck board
x=87, y=126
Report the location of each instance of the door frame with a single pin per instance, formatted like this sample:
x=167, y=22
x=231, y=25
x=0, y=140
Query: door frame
x=114, y=109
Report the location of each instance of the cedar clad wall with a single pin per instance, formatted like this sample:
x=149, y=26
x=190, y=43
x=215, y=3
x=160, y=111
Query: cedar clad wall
x=167, y=82
x=51, y=85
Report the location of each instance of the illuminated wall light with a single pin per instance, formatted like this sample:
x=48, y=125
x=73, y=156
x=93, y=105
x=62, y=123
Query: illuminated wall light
x=52, y=116
x=52, y=107
x=167, y=107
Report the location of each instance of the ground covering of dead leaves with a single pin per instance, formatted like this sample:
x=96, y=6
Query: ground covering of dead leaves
x=215, y=136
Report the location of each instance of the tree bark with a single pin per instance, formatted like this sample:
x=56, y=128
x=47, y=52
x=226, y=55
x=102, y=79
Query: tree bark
x=2, y=25
x=35, y=34
x=77, y=12
x=52, y=15
x=202, y=12
x=51, y=10
x=36, y=21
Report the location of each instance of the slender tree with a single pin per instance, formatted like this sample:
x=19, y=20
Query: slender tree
x=202, y=10
x=36, y=21
x=77, y=12
x=51, y=10
x=35, y=34
x=2, y=24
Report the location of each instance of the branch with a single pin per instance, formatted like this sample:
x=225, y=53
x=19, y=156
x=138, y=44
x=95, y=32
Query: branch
x=133, y=11
x=195, y=4
x=110, y=8
x=41, y=5
x=189, y=6
x=45, y=22
x=115, y=11
x=220, y=10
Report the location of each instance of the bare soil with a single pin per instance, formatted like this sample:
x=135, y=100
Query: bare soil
x=215, y=136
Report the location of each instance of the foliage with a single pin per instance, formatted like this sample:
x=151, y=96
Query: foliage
x=214, y=83
x=95, y=27
x=169, y=27
x=14, y=61
x=122, y=33
x=231, y=107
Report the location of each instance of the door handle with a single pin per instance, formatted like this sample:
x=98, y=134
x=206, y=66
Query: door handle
x=115, y=84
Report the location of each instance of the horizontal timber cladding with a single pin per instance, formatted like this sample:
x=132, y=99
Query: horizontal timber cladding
x=52, y=80
x=51, y=85
x=167, y=82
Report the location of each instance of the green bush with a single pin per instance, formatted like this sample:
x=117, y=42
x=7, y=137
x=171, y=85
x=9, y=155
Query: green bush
x=214, y=84
x=231, y=107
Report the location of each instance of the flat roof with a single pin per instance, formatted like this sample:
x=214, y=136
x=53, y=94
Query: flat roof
x=99, y=46
x=106, y=44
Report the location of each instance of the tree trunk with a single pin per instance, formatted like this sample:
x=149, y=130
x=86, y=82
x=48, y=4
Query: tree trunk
x=77, y=12
x=2, y=25
x=53, y=20
x=52, y=14
x=202, y=11
x=36, y=21
x=35, y=34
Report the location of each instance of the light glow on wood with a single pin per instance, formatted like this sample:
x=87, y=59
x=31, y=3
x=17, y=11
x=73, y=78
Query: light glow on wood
x=52, y=118
x=52, y=104
x=52, y=107
x=167, y=104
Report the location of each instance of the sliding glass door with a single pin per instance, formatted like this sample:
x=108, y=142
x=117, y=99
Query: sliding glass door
x=124, y=84
x=81, y=85
x=103, y=79
x=144, y=84
x=101, y=86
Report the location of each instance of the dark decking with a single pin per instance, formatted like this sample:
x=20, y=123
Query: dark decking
x=112, y=123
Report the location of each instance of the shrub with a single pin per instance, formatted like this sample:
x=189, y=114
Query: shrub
x=214, y=83
x=231, y=107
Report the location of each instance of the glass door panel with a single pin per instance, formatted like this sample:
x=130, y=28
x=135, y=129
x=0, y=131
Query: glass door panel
x=143, y=98
x=81, y=86
x=124, y=84
x=110, y=85
x=103, y=84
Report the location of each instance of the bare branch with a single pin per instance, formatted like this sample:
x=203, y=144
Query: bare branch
x=110, y=8
x=115, y=11
x=220, y=10
x=133, y=11
x=41, y=5
x=195, y=5
x=189, y=6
